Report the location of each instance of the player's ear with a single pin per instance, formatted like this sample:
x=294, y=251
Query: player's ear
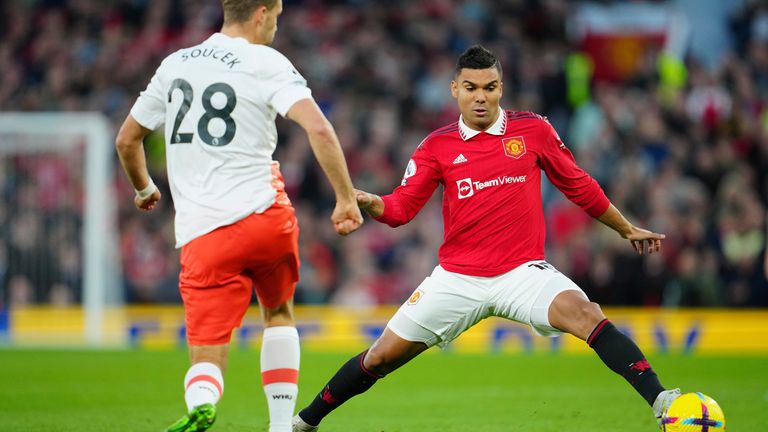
x=454, y=89
x=259, y=15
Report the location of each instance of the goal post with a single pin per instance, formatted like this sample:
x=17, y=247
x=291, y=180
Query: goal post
x=23, y=133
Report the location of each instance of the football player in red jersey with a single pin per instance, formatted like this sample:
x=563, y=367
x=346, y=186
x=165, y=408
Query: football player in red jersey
x=491, y=262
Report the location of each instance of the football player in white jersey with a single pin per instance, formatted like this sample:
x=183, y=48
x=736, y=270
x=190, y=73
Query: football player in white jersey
x=234, y=224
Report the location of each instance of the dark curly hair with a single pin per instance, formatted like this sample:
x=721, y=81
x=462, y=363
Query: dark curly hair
x=477, y=57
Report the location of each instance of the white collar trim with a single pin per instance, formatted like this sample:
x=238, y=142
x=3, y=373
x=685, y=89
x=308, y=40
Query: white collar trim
x=499, y=127
x=222, y=38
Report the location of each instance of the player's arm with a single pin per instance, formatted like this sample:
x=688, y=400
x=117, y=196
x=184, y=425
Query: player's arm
x=325, y=145
x=421, y=178
x=130, y=149
x=371, y=203
x=579, y=187
x=639, y=238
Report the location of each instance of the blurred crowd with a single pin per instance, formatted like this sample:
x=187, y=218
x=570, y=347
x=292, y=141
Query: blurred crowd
x=690, y=161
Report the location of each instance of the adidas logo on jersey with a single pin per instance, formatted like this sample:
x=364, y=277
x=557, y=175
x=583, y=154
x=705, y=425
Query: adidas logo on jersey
x=459, y=159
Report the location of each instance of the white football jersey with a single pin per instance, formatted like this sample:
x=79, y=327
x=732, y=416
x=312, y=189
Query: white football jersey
x=218, y=101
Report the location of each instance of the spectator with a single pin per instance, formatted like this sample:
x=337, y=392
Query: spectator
x=695, y=160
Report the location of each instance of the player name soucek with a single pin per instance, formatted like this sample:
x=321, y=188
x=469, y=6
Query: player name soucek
x=217, y=54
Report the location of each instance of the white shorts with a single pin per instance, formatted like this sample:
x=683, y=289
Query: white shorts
x=446, y=304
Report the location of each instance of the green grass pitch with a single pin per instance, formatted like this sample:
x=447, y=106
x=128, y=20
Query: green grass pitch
x=52, y=390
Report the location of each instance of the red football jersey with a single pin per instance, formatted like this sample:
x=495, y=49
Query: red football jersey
x=492, y=210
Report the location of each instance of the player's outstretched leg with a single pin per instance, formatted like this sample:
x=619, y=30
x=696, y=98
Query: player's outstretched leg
x=571, y=311
x=624, y=357
x=204, y=385
x=350, y=380
x=356, y=376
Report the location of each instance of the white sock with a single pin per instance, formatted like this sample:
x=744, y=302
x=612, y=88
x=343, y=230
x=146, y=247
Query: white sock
x=203, y=384
x=280, y=375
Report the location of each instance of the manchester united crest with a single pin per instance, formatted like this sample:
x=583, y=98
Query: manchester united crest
x=415, y=297
x=514, y=147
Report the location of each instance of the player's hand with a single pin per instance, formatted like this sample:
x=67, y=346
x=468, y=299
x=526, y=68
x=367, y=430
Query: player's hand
x=642, y=238
x=369, y=202
x=346, y=217
x=148, y=203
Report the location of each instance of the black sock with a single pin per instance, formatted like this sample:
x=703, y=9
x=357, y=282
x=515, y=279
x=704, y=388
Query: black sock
x=622, y=356
x=351, y=380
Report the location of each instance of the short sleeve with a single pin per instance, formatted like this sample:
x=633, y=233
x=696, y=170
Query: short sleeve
x=286, y=85
x=149, y=109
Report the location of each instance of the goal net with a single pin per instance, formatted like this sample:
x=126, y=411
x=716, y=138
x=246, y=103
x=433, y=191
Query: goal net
x=58, y=242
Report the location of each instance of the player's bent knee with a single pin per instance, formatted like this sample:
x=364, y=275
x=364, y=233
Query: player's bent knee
x=376, y=361
x=591, y=314
x=281, y=315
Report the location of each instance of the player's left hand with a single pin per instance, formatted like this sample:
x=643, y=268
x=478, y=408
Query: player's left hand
x=148, y=203
x=641, y=238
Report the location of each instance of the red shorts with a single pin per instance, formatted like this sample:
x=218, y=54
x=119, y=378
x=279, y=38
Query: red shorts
x=220, y=269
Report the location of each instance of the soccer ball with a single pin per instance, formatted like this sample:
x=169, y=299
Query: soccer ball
x=693, y=412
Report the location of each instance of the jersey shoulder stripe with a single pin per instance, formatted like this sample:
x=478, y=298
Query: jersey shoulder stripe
x=445, y=129
x=448, y=129
x=519, y=115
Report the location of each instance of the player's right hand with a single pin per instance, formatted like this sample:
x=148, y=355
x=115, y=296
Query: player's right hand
x=369, y=202
x=346, y=218
x=148, y=203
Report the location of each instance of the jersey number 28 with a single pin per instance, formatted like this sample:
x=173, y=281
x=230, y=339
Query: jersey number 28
x=211, y=113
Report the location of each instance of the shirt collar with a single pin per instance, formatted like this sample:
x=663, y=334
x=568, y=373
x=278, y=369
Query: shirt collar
x=221, y=38
x=497, y=128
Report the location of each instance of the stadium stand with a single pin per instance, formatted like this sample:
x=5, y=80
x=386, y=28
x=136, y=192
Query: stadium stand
x=690, y=161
